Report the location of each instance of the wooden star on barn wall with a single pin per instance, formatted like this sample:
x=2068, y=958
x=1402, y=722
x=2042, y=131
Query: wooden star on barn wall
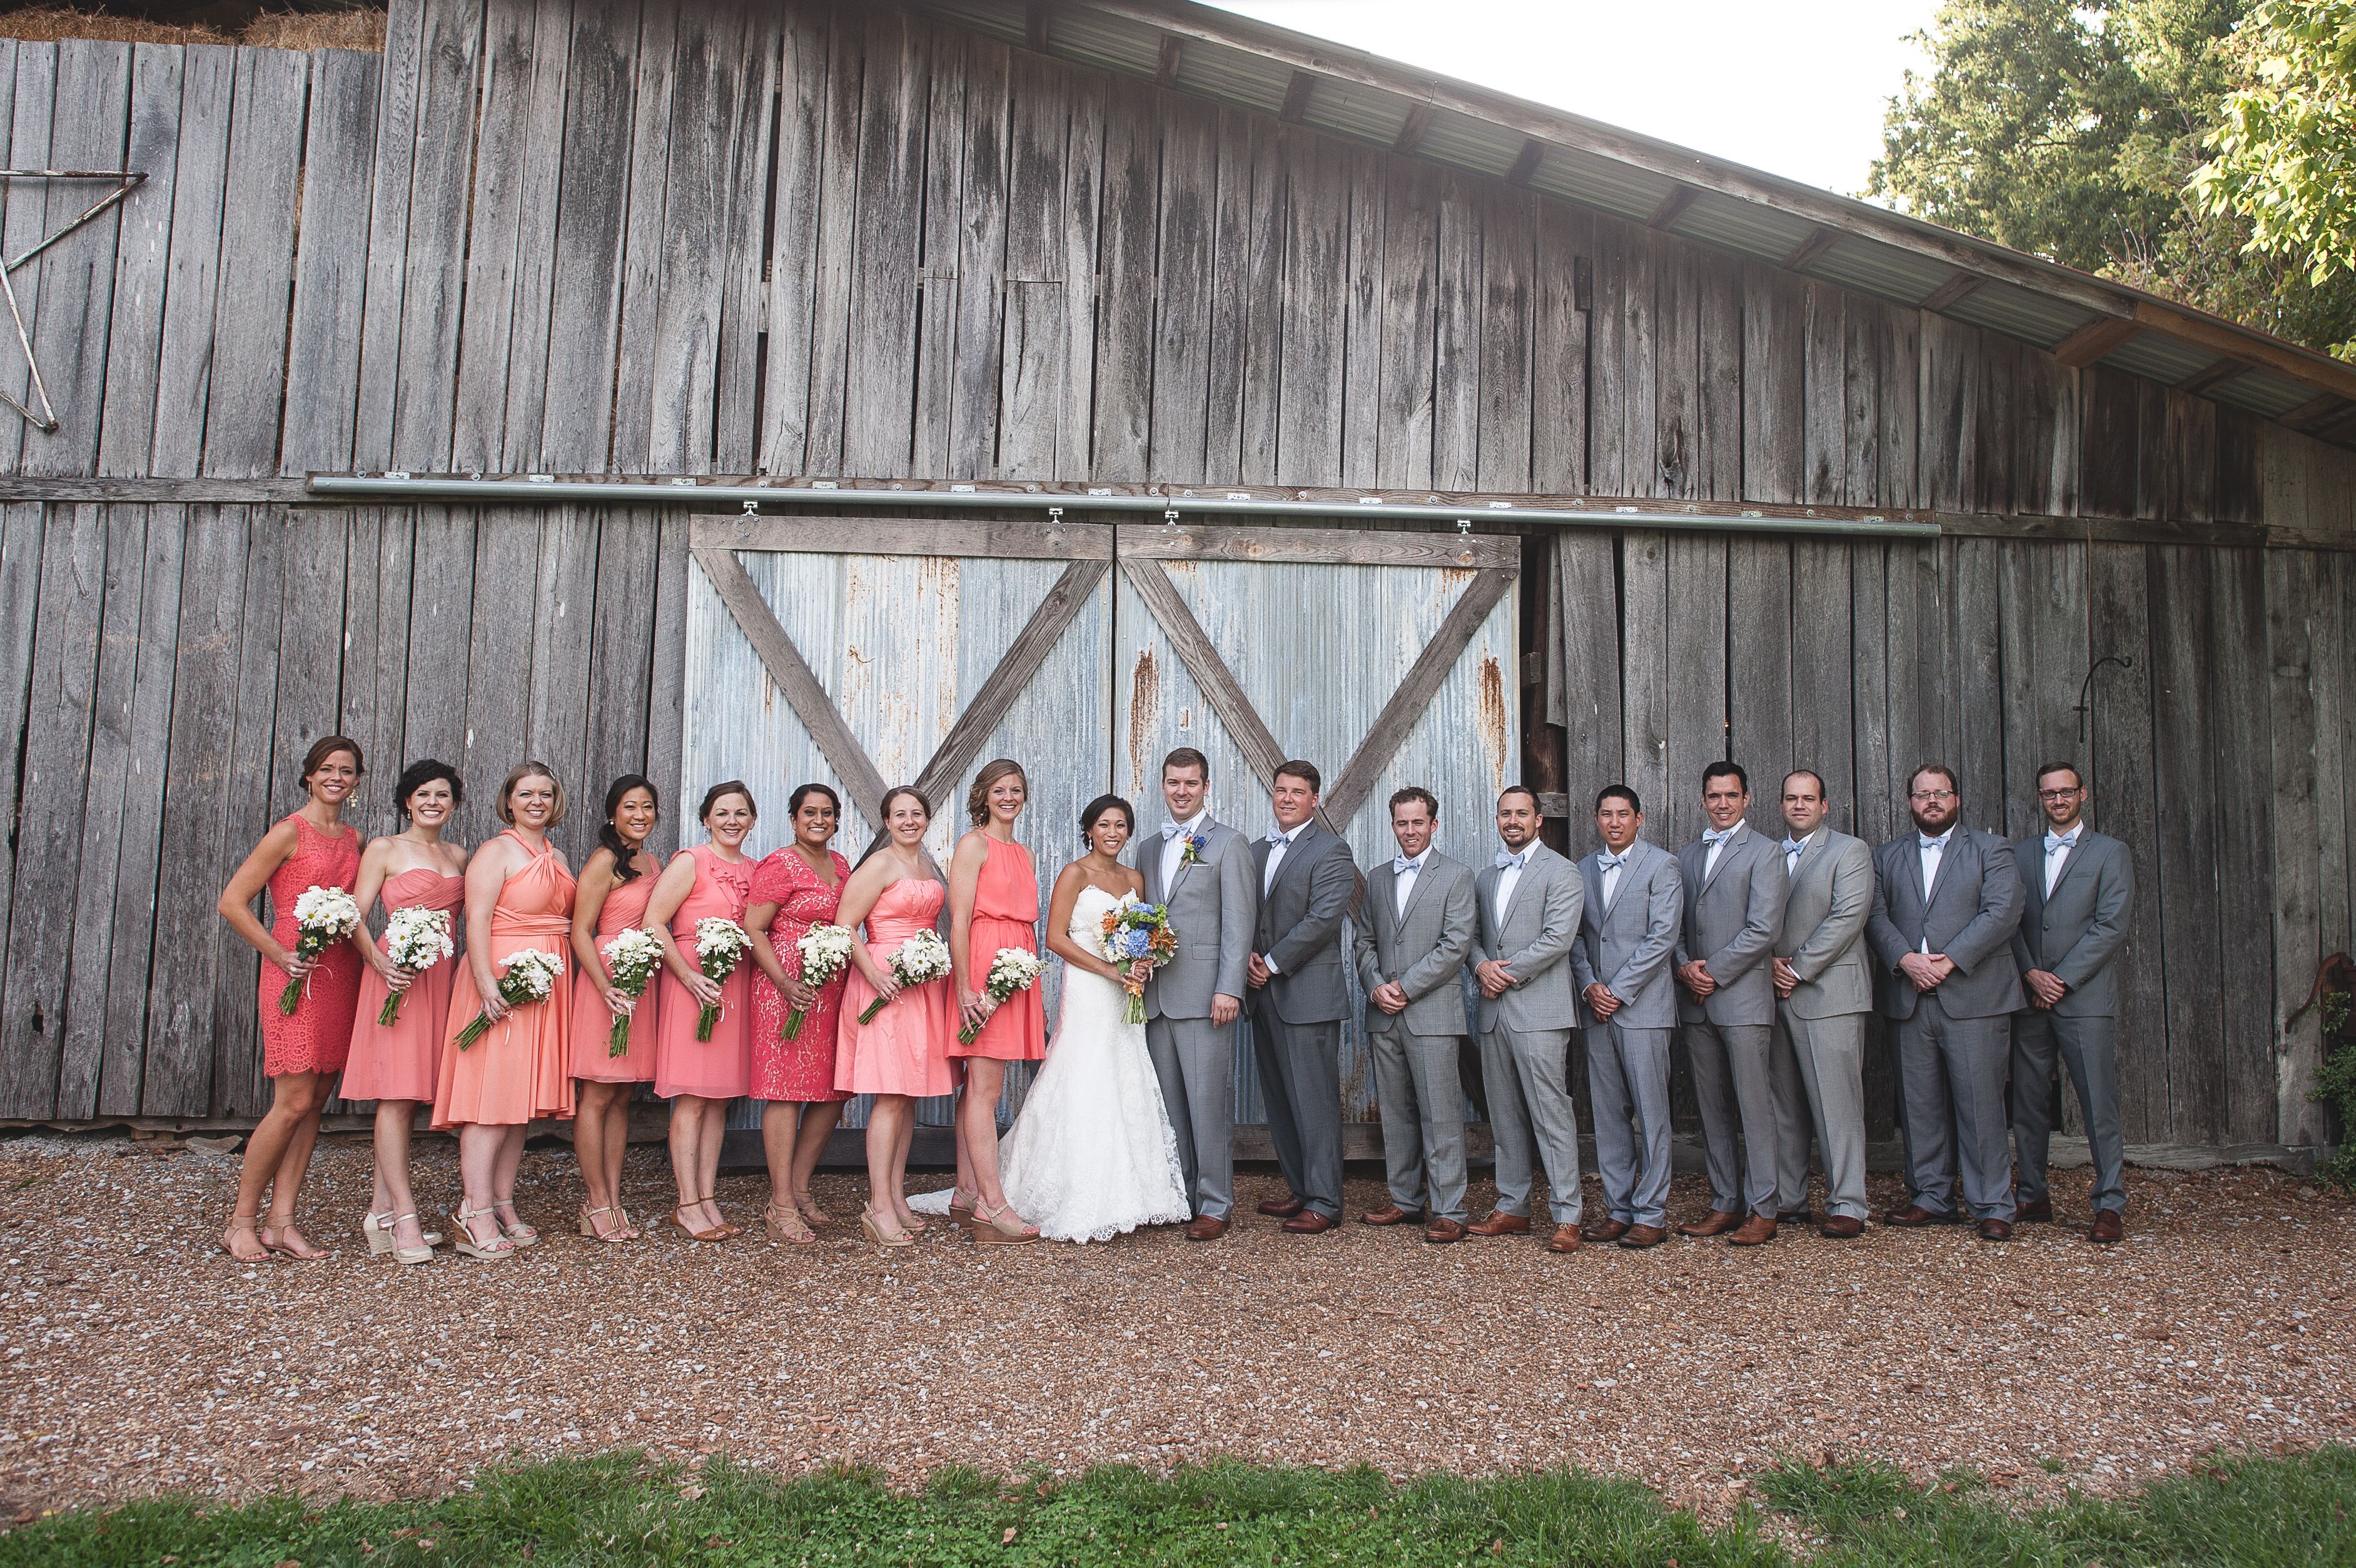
x=124, y=182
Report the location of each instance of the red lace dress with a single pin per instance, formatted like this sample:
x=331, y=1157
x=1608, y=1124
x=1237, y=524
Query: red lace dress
x=317, y=1037
x=801, y=1069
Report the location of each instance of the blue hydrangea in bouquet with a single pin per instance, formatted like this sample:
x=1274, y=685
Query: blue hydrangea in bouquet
x=1138, y=932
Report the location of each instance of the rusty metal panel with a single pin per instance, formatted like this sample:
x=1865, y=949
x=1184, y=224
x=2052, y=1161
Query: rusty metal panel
x=1319, y=649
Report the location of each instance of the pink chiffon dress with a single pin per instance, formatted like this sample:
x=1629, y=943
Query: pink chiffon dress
x=521, y=1070
x=403, y=1060
x=906, y=1050
x=592, y=1021
x=1005, y=915
x=801, y=1069
x=317, y=1035
x=722, y=1066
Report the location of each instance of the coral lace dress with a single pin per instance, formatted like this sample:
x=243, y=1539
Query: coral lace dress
x=404, y=1061
x=906, y=1049
x=522, y=1069
x=721, y=1067
x=317, y=1036
x=1005, y=915
x=592, y=1021
x=801, y=1069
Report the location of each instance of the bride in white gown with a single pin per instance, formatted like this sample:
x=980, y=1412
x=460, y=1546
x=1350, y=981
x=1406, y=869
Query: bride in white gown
x=1092, y=1154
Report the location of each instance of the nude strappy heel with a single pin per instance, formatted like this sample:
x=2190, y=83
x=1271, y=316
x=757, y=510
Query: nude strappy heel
x=784, y=1224
x=521, y=1234
x=589, y=1227
x=1004, y=1228
x=463, y=1237
x=881, y=1237
x=252, y=1225
x=809, y=1210
x=718, y=1233
x=379, y=1229
x=268, y=1236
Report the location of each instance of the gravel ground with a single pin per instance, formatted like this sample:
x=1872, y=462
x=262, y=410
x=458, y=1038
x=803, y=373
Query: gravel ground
x=139, y=1358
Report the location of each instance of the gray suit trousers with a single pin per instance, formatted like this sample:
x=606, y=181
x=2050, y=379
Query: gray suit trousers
x=1628, y=1081
x=2088, y=1046
x=1195, y=1061
x=1422, y=1105
x=1951, y=1075
x=1528, y=1074
x=1820, y=1086
x=1300, y=1083
x=1737, y=1102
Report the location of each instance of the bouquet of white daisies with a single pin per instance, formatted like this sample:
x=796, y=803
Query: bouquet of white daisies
x=825, y=951
x=719, y=947
x=923, y=957
x=631, y=959
x=323, y=917
x=1013, y=969
x=531, y=976
x=415, y=940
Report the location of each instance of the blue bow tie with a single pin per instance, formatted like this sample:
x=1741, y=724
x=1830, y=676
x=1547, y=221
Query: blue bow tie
x=2061, y=840
x=1715, y=835
x=1609, y=862
x=1794, y=847
x=1172, y=830
x=1504, y=860
x=1401, y=864
x=1938, y=844
x=1279, y=835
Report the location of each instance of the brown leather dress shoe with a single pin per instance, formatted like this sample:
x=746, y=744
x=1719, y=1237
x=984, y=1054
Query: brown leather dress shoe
x=1389, y=1214
x=1758, y=1228
x=1716, y=1222
x=1444, y=1230
x=2038, y=1213
x=1501, y=1224
x=2107, y=1227
x=1912, y=1217
x=1206, y=1228
x=1308, y=1222
x=1841, y=1227
x=1284, y=1207
x=1604, y=1229
x=1564, y=1239
x=1639, y=1237
x=1995, y=1229
x=1796, y=1217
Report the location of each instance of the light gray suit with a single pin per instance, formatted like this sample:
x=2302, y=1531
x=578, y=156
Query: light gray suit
x=1297, y=1015
x=1213, y=902
x=1952, y=1045
x=1423, y=951
x=2072, y=933
x=1624, y=942
x=1820, y=1040
x=1734, y=911
x=1525, y=1033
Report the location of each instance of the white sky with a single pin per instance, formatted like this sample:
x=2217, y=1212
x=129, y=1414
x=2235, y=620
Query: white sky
x=1795, y=87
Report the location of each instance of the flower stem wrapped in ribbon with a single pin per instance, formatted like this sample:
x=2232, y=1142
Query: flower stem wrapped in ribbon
x=631, y=959
x=323, y=917
x=414, y=939
x=531, y=976
x=719, y=947
x=923, y=958
x=825, y=950
x=1013, y=969
x=1136, y=931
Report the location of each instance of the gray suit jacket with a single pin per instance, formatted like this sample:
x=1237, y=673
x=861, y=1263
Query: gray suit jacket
x=1969, y=914
x=2076, y=933
x=1627, y=946
x=1534, y=939
x=1824, y=926
x=1424, y=949
x=1299, y=925
x=1731, y=920
x=1213, y=904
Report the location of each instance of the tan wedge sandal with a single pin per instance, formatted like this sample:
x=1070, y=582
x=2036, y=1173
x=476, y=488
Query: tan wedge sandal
x=1004, y=1228
x=498, y=1249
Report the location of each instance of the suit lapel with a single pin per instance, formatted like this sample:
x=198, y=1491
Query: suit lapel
x=2068, y=864
x=1520, y=886
x=1413, y=894
x=1947, y=857
x=1296, y=855
x=1725, y=854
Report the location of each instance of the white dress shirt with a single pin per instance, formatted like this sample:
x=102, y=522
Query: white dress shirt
x=1792, y=856
x=1403, y=881
x=1611, y=875
x=1931, y=850
x=1509, y=878
x=1174, y=846
x=1709, y=860
x=2057, y=855
x=1277, y=846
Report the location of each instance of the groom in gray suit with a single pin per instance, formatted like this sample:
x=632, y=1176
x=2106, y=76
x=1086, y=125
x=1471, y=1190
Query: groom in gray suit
x=1413, y=934
x=1825, y=985
x=2079, y=885
x=1202, y=869
x=1299, y=997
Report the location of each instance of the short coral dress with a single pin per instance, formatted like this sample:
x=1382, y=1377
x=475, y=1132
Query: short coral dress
x=722, y=1066
x=1005, y=915
x=317, y=1036
x=521, y=1070
x=592, y=1021
x=801, y=1069
x=906, y=1049
x=404, y=1061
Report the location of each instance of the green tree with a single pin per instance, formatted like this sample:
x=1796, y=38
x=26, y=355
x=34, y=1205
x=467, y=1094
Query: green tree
x=2285, y=158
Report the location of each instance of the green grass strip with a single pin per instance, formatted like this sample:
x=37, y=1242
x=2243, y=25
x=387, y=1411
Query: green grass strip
x=619, y=1509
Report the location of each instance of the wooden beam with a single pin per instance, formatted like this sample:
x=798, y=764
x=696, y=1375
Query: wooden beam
x=1526, y=162
x=1035, y=26
x=1808, y=250
x=1165, y=70
x=1953, y=289
x=2215, y=374
x=1295, y=97
x=2322, y=373
x=2313, y=413
x=1212, y=676
x=1356, y=781
x=1320, y=546
x=2093, y=340
x=905, y=536
x=1676, y=202
x=1413, y=129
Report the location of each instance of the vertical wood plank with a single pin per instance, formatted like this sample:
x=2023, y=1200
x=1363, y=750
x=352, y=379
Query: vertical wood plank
x=514, y=56
x=70, y=289
x=2184, y=776
x=1124, y=368
x=1825, y=660
x=2292, y=581
x=1363, y=334
x=1559, y=371
x=323, y=352
x=1696, y=678
x=621, y=649
x=257, y=263
x=556, y=722
x=1876, y=814
x=23, y=207
x=2106, y=443
x=372, y=691
x=1507, y=263
x=940, y=234
x=2123, y=773
x=1456, y=343
x=1902, y=436
x=1824, y=409
x=1762, y=720
x=1998, y=434
x=1410, y=302
x=1977, y=725
x=433, y=266
x=1607, y=357
x=1645, y=620
x=1676, y=360
x=1189, y=243
x=752, y=101
x=260, y=787
x=576, y=423
x=498, y=659
x=1587, y=578
x=537, y=315
x=1950, y=414
x=141, y=262
x=2247, y=790
x=1863, y=324
x=794, y=196
x=644, y=239
x=882, y=385
x=1773, y=384
x=192, y=272
x=1316, y=252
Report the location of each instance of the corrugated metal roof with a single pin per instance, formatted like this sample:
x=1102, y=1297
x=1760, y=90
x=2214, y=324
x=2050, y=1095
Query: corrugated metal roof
x=1884, y=270
x=1240, y=78
x=2161, y=359
x=2019, y=314
x=1743, y=226
x=1470, y=143
x=2264, y=392
x=1592, y=181
x=1359, y=113
x=1112, y=43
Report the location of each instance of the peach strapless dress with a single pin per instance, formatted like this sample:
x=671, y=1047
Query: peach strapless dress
x=403, y=1062
x=522, y=1069
x=592, y=1021
x=722, y=1066
x=906, y=1049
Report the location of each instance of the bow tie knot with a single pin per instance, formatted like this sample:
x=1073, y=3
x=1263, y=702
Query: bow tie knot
x=1505, y=861
x=1938, y=844
x=1794, y=847
x=1401, y=864
x=1609, y=862
x=1717, y=835
x=2061, y=840
x=1172, y=830
x=1279, y=835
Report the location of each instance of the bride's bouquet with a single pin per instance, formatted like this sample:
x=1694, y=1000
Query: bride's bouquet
x=923, y=958
x=825, y=950
x=415, y=940
x=1135, y=930
x=530, y=977
x=631, y=959
x=1013, y=969
x=719, y=947
x=323, y=917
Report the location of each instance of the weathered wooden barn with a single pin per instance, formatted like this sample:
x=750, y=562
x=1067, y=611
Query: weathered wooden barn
x=858, y=390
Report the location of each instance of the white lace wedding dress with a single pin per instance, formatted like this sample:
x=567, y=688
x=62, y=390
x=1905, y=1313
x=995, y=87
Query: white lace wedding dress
x=1092, y=1154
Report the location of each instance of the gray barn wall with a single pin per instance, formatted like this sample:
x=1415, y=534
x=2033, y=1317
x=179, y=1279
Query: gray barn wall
x=799, y=239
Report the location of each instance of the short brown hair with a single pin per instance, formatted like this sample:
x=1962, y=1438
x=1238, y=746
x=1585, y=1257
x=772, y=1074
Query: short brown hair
x=1187, y=757
x=2076, y=778
x=1518, y=790
x=977, y=800
x=1305, y=771
x=505, y=806
x=883, y=808
x=1415, y=792
x=1940, y=769
x=720, y=792
x=326, y=747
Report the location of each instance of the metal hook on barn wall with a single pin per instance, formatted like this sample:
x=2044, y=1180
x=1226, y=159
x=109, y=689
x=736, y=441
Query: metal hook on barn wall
x=125, y=182
x=2085, y=709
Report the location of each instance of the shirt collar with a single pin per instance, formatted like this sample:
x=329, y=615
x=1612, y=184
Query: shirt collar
x=1290, y=835
x=1934, y=841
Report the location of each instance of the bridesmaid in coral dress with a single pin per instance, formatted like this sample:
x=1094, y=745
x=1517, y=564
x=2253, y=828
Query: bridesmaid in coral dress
x=301, y=1052
x=519, y=894
x=795, y=888
x=616, y=881
x=398, y=1065
x=993, y=904
x=902, y=1055
x=711, y=881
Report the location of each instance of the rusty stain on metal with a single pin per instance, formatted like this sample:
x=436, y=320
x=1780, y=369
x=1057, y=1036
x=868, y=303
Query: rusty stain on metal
x=1144, y=697
x=1495, y=717
x=1455, y=577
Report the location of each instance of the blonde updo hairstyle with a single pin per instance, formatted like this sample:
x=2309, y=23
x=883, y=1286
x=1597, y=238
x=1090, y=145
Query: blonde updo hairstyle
x=977, y=800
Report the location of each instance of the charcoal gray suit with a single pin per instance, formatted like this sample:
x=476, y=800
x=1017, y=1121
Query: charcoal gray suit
x=2072, y=933
x=1422, y=950
x=1627, y=933
x=1525, y=1033
x=1734, y=911
x=1213, y=902
x=1820, y=1039
x=1297, y=1015
x=1953, y=1040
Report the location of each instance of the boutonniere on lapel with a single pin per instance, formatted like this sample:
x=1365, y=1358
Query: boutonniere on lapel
x=1192, y=854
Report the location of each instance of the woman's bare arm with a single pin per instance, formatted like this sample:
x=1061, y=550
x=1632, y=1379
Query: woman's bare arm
x=246, y=883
